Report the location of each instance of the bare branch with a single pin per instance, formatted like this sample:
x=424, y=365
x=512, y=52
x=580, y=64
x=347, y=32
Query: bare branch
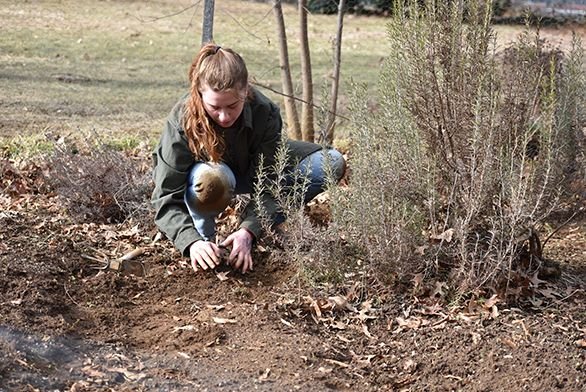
x=561, y=226
x=244, y=27
x=154, y=19
x=295, y=98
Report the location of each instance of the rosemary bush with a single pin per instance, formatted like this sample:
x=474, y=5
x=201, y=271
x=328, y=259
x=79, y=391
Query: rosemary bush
x=286, y=188
x=466, y=151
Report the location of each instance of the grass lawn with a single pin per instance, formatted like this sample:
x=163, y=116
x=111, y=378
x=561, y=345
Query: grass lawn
x=117, y=67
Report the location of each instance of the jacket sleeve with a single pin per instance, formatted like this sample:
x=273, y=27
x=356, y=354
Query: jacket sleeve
x=172, y=160
x=269, y=134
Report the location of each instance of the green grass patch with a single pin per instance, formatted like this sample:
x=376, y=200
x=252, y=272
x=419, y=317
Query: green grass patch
x=118, y=67
x=25, y=147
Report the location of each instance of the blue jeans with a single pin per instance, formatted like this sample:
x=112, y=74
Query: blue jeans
x=211, y=186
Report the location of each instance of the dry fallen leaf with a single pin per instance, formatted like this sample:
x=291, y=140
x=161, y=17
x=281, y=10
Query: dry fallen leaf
x=365, y=308
x=411, y=322
x=440, y=289
x=341, y=302
x=548, y=293
x=417, y=281
x=338, y=325
x=220, y=320
x=535, y=281
x=491, y=302
x=409, y=366
x=265, y=375
x=184, y=328
x=420, y=250
x=222, y=276
x=318, y=306
x=366, y=332
x=581, y=343
x=494, y=312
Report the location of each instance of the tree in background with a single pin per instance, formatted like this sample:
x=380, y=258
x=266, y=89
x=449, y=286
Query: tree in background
x=307, y=129
x=293, y=125
x=331, y=122
x=207, y=33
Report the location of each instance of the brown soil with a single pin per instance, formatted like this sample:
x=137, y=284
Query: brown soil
x=154, y=324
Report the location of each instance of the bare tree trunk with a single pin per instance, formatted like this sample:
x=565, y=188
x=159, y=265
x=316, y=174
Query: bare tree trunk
x=307, y=107
x=331, y=123
x=207, y=31
x=293, y=125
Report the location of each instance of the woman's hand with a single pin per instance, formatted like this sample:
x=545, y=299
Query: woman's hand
x=240, y=256
x=204, y=255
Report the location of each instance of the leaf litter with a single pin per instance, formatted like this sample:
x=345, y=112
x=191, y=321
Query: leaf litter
x=356, y=344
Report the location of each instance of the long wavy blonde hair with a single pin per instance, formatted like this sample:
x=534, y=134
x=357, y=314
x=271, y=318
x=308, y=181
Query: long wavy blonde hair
x=220, y=69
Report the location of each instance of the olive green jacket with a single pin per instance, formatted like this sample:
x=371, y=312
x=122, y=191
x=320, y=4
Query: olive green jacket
x=258, y=133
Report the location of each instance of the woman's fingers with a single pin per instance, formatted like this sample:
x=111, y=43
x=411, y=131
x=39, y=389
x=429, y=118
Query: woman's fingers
x=237, y=257
x=207, y=259
x=241, y=259
x=247, y=264
x=204, y=254
x=240, y=256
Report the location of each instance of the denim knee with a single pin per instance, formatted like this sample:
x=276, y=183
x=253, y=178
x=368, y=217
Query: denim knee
x=314, y=168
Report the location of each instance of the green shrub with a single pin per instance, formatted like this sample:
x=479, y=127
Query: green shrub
x=465, y=155
x=302, y=240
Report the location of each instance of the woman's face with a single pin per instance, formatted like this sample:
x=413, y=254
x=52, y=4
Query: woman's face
x=224, y=107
